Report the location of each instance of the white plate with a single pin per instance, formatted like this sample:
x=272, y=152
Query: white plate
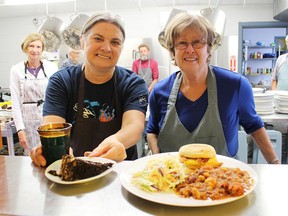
x=281, y=111
x=171, y=198
x=265, y=112
x=264, y=107
x=257, y=90
x=276, y=92
x=283, y=94
x=280, y=98
x=264, y=95
x=57, y=164
x=281, y=103
x=281, y=108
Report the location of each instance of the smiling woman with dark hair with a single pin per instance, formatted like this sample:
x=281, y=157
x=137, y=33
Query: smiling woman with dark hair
x=106, y=104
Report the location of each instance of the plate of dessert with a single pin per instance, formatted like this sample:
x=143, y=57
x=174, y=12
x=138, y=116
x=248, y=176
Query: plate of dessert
x=193, y=177
x=76, y=170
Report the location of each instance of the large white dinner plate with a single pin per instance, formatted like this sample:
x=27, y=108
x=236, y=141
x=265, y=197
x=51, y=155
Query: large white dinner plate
x=257, y=90
x=281, y=111
x=281, y=99
x=171, y=198
x=281, y=107
x=265, y=112
x=264, y=95
x=57, y=164
x=281, y=103
x=283, y=94
x=264, y=107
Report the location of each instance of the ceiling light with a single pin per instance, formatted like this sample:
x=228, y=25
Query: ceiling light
x=29, y=2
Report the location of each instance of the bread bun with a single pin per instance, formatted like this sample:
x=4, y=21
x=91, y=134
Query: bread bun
x=197, y=151
x=196, y=155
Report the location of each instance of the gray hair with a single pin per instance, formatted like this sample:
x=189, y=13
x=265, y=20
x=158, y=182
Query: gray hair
x=104, y=16
x=183, y=21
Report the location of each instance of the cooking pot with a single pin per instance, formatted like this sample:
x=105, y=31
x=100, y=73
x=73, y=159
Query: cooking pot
x=72, y=32
x=161, y=36
x=51, y=30
x=216, y=17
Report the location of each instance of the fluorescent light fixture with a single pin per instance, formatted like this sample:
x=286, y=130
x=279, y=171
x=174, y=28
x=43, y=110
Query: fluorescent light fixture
x=30, y=2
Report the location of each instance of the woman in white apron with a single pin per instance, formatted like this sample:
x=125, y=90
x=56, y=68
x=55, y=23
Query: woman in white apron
x=28, y=82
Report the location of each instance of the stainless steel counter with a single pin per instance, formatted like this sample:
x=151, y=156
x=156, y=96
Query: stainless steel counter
x=24, y=190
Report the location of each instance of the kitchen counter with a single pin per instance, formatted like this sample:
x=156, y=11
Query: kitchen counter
x=25, y=190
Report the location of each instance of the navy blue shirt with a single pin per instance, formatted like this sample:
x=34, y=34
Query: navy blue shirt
x=62, y=95
x=235, y=103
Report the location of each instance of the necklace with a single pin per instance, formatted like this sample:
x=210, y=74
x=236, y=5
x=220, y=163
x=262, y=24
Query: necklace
x=35, y=66
x=34, y=71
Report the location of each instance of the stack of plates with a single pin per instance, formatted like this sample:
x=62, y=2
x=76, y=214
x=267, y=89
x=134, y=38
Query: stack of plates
x=281, y=101
x=264, y=103
x=257, y=90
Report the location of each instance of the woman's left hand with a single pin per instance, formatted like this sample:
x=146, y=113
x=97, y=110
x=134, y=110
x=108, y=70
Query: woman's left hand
x=22, y=139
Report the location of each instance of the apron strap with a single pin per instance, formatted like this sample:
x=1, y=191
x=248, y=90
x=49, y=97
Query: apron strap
x=26, y=66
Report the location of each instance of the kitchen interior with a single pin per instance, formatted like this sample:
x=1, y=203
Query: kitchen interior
x=245, y=33
x=253, y=36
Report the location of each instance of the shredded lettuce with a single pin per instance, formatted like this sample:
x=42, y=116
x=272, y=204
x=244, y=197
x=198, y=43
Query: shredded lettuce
x=161, y=174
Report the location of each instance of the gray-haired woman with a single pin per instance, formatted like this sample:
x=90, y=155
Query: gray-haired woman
x=201, y=103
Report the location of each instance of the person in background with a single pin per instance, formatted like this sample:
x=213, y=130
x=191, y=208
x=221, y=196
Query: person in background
x=74, y=57
x=28, y=82
x=280, y=71
x=105, y=103
x=146, y=67
x=201, y=103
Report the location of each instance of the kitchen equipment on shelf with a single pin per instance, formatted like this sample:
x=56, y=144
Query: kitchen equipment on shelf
x=217, y=18
x=72, y=32
x=173, y=13
x=51, y=30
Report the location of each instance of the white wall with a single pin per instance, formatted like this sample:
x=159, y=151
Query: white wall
x=144, y=23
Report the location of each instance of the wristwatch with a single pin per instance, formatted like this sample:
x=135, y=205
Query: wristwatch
x=274, y=161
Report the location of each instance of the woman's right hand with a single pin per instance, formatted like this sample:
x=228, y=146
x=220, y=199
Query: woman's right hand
x=37, y=156
x=109, y=148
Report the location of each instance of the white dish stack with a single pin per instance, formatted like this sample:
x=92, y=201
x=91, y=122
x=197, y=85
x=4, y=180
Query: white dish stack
x=281, y=101
x=264, y=103
x=257, y=90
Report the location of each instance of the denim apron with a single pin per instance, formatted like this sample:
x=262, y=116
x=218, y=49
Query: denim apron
x=173, y=134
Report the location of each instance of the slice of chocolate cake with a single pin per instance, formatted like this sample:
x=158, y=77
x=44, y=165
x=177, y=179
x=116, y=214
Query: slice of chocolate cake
x=75, y=168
